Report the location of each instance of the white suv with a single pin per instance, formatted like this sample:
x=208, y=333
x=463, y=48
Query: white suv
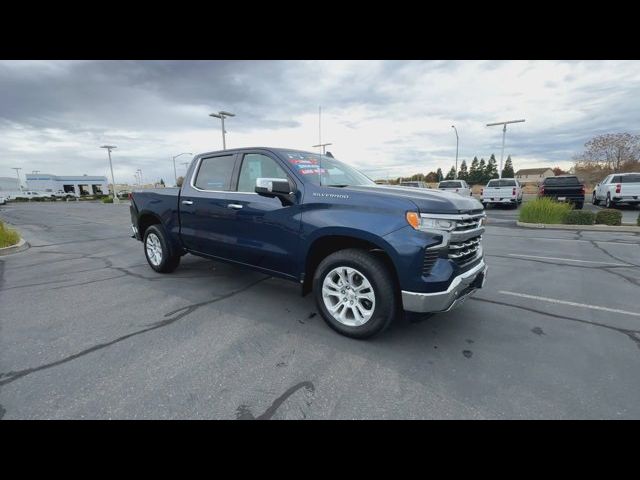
x=618, y=188
x=458, y=186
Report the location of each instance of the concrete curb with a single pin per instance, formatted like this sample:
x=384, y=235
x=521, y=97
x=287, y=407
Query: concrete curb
x=19, y=247
x=595, y=228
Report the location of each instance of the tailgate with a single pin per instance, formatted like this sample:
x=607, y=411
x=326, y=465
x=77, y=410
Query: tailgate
x=630, y=189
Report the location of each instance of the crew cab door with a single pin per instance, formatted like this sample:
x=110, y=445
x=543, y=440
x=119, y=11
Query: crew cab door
x=204, y=214
x=266, y=231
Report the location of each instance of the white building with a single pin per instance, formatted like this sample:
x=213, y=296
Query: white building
x=84, y=184
x=9, y=184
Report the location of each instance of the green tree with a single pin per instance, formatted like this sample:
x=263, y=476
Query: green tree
x=482, y=171
x=507, y=171
x=452, y=174
x=463, y=173
x=474, y=178
x=491, y=170
x=439, y=174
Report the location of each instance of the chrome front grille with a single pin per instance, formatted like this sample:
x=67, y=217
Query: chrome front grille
x=466, y=251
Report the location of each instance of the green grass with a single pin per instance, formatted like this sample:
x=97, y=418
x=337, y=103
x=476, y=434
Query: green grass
x=544, y=210
x=8, y=237
x=107, y=200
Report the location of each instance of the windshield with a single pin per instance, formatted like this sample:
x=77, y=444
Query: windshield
x=450, y=185
x=326, y=171
x=501, y=183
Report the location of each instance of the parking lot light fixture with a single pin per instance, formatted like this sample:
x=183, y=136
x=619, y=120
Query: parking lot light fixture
x=222, y=115
x=175, y=173
x=113, y=181
x=504, y=133
x=456, y=130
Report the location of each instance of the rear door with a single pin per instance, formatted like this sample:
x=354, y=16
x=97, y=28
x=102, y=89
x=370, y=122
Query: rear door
x=266, y=232
x=204, y=213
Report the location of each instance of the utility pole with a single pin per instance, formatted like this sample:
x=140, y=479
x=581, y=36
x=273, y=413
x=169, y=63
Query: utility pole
x=504, y=133
x=175, y=173
x=320, y=144
x=222, y=115
x=456, y=130
x=113, y=181
x=17, y=169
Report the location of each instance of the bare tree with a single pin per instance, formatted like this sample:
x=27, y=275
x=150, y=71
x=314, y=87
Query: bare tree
x=612, y=151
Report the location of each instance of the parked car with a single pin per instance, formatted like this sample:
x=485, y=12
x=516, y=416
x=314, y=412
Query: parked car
x=366, y=251
x=504, y=191
x=618, y=188
x=563, y=188
x=414, y=184
x=29, y=195
x=458, y=186
x=3, y=200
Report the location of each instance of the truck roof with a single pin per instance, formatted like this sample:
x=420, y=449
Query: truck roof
x=271, y=149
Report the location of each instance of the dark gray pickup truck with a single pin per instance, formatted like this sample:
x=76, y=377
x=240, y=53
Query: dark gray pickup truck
x=563, y=188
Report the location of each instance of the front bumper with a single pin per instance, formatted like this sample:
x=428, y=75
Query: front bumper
x=460, y=288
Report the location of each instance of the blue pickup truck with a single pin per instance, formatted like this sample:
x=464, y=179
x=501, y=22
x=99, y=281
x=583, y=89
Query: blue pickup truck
x=368, y=252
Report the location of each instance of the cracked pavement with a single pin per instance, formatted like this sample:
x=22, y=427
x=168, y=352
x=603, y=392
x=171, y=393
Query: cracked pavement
x=88, y=330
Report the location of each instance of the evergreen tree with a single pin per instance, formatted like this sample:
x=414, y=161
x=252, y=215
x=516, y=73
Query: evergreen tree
x=507, y=171
x=473, y=172
x=482, y=172
x=463, y=174
x=439, y=174
x=452, y=174
x=491, y=171
x=162, y=182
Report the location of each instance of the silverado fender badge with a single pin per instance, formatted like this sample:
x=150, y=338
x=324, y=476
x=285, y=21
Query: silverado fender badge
x=330, y=195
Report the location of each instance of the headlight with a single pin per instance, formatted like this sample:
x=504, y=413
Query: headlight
x=429, y=224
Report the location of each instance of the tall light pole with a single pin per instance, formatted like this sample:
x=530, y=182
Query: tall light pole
x=504, y=133
x=113, y=180
x=323, y=145
x=456, y=130
x=17, y=169
x=222, y=115
x=175, y=173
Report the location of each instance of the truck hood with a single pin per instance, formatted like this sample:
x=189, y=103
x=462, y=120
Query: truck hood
x=427, y=200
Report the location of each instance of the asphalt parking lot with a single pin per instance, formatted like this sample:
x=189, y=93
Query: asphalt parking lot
x=88, y=330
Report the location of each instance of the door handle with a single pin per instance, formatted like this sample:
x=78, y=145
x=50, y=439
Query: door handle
x=235, y=206
x=187, y=202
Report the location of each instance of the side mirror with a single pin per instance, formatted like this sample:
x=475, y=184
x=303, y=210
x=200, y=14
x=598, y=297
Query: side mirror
x=275, y=188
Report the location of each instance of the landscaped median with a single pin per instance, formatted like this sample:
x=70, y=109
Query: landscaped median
x=10, y=241
x=548, y=213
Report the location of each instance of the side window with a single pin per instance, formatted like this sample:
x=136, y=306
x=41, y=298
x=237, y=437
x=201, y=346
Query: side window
x=215, y=173
x=256, y=165
x=615, y=179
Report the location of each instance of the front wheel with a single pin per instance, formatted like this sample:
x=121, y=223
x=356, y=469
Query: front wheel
x=157, y=250
x=608, y=203
x=594, y=199
x=354, y=293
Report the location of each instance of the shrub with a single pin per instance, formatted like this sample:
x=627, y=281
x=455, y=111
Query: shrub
x=544, y=210
x=609, y=216
x=107, y=200
x=8, y=236
x=579, y=217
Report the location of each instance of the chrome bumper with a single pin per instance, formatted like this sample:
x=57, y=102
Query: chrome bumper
x=461, y=287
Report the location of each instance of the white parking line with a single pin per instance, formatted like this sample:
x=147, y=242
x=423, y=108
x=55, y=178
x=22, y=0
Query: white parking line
x=573, y=304
x=571, y=260
x=561, y=239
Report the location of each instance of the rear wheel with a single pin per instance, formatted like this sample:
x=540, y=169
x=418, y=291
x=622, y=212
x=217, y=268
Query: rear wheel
x=354, y=293
x=157, y=250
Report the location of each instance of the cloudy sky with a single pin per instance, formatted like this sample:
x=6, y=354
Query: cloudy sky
x=389, y=118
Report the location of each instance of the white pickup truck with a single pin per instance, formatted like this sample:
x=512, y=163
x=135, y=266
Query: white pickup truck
x=504, y=191
x=457, y=186
x=618, y=188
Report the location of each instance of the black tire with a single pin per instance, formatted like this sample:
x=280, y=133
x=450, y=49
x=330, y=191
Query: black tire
x=608, y=203
x=169, y=260
x=380, y=278
x=594, y=200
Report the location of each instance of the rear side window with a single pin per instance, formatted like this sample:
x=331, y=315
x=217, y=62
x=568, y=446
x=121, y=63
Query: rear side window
x=254, y=166
x=616, y=179
x=215, y=173
x=635, y=178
